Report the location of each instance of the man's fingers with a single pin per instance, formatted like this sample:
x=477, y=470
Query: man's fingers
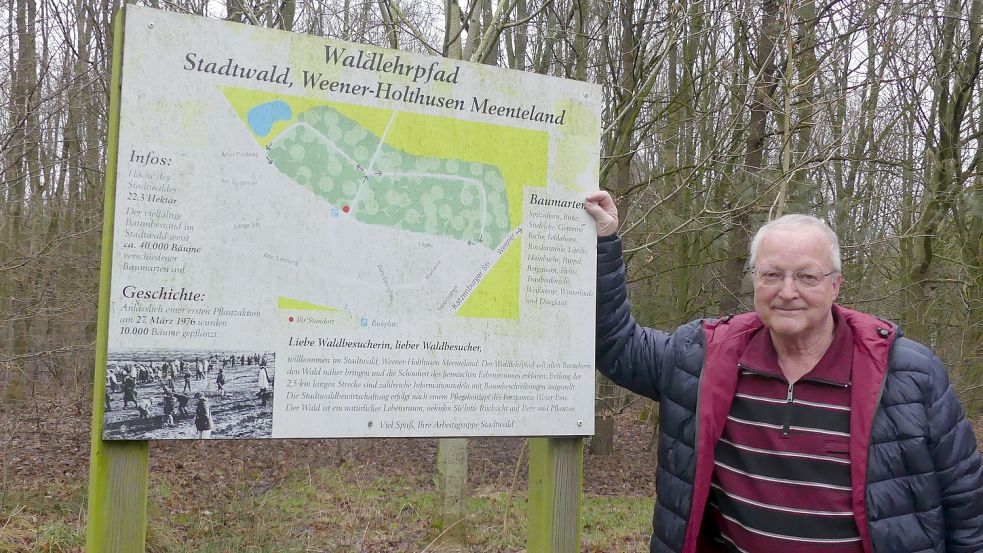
x=600, y=206
x=600, y=202
x=594, y=209
x=601, y=197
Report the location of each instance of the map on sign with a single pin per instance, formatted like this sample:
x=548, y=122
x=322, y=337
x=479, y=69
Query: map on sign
x=384, y=168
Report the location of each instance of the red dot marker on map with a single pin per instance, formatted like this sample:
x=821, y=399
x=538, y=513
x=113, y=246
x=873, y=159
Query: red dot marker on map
x=291, y=319
x=346, y=209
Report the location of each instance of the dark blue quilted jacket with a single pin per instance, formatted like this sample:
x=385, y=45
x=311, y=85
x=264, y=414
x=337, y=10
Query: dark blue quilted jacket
x=924, y=486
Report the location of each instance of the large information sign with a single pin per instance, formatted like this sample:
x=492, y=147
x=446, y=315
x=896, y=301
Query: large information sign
x=316, y=238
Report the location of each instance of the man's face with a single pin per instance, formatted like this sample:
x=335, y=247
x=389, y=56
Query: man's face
x=790, y=308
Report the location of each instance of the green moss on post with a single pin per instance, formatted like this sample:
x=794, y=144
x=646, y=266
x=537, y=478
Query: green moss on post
x=118, y=471
x=556, y=472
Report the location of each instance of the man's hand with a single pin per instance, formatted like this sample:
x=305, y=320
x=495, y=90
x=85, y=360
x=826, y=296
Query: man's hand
x=601, y=207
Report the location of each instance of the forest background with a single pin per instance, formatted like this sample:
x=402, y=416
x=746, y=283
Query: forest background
x=718, y=115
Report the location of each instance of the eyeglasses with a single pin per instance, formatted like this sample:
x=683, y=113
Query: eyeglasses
x=774, y=277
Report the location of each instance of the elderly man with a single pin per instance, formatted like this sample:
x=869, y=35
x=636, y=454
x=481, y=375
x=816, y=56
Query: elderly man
x=803, y=426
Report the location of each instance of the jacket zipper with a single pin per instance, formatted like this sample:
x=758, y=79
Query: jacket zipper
x=787, y=415
x=696, y=434
x=870, y=435
x=699, y=392
x=789, y=401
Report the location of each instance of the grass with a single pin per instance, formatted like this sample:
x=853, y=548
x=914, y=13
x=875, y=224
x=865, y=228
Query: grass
x=328, y=509
x=45, y=519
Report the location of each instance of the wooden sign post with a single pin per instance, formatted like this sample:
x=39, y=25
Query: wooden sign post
x=341, y=241
x=556, y=471
x=118, y=471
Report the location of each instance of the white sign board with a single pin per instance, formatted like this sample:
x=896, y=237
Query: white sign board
x=316, y=238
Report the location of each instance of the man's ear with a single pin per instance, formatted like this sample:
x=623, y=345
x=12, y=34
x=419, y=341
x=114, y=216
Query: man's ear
x=837, y=282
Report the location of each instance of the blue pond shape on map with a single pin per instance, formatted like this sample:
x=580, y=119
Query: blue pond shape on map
x=262, y=117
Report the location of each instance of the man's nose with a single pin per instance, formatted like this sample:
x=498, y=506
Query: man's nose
x=788, y=288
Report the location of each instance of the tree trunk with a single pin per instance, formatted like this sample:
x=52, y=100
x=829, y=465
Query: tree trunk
x=749, y=181
x=452, y=453
x=955, y=83
x=603, y=441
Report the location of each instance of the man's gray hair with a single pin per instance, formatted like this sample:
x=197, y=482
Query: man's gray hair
x=798, y=219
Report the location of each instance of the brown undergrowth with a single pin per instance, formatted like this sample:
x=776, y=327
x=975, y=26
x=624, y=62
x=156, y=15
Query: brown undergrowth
x=306, y=495
x=303, y=495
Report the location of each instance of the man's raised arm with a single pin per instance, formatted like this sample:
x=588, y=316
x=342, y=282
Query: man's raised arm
x=627, y=353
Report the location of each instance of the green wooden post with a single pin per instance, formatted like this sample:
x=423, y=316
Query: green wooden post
x=118, y=471
x=556, y=473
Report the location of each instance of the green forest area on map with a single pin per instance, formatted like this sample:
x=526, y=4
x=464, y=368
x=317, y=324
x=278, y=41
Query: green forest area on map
x=424, y=174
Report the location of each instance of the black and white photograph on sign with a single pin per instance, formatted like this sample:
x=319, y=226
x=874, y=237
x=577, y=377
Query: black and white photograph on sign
x=185, y=394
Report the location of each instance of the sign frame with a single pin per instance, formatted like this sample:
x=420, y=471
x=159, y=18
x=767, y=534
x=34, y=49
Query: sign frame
x=119, y=470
